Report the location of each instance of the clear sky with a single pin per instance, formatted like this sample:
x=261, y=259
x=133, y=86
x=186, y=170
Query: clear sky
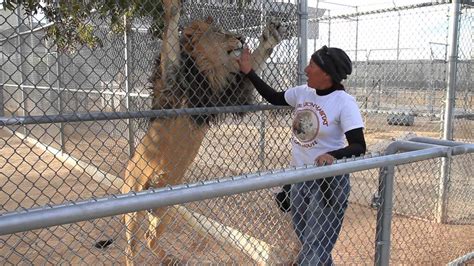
x=419, y=33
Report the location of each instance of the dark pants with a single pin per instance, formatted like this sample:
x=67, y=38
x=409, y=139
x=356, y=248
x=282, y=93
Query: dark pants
x=318, y=212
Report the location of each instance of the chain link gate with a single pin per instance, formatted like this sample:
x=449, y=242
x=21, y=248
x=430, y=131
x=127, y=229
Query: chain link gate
x=78, y=153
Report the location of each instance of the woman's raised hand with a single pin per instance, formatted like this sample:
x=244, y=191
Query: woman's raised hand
x=245, y=63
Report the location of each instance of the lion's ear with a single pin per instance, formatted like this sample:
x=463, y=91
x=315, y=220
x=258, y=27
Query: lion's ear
x=209, y=20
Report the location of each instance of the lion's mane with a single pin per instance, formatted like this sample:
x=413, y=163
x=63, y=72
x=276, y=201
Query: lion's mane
x=205, y=76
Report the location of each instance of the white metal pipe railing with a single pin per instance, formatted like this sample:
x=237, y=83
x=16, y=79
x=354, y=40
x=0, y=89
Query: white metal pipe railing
x=137, y=201
x=385, y=193
x=128, y=81
x=452, y=68
x=462, y=260
x=449, y=106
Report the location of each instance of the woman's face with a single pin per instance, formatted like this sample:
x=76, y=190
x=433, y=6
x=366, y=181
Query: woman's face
x=317, y=78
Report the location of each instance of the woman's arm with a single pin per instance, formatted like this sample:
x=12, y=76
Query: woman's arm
x=267, y=92
x=356, y=145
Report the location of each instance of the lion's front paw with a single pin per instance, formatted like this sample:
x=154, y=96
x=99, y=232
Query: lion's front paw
x=273, y=33
x=172, y=7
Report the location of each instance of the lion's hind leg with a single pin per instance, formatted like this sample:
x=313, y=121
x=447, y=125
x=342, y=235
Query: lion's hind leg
x=159, y=220
x=135, y=235
x=137, y=177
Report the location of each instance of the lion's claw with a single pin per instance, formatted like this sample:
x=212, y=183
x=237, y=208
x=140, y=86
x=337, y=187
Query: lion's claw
x=273, y=33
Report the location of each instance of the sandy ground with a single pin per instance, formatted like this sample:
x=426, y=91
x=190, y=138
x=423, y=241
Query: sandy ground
x=33, y=177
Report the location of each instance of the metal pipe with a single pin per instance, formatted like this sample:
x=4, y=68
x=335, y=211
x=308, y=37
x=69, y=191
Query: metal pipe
x=449, y=143
x=452, y=69
x=404, y=145
x=88, y=91
x=385, y=191
x=137, y=201
x=329, y=28
x=378, y=11
x=458, y=148
x=462, y=260
x=261, y=115
x=21, y=57
x=62, y=132
x=398, y=41
x=127, y=48
x=261, y=143
x=449, y=107
x=21, y=33
x=97, y=116
x=2, y=109
x=385, y=200
x=303, y=40
x=384, y=216
x=356, y=47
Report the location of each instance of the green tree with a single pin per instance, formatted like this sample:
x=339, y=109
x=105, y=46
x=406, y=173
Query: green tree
x=72, y=18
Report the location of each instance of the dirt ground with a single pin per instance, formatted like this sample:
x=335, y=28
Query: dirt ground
x=32, y=177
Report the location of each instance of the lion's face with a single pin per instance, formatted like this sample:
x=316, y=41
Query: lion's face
x=208, y=73
x=214, y=51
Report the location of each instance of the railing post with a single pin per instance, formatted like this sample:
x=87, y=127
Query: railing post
x=384, y=216
x=261, y=144
x=62, y=132
x=126, y=39
x=2, y=112
x=448, y=113
x=303, y=40
x=22, y=60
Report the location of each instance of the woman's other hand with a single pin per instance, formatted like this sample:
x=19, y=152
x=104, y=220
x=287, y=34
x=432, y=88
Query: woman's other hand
x=245, y=61
x=325, y=159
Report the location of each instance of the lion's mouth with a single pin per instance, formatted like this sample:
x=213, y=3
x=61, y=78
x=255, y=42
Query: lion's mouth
x=236, y=52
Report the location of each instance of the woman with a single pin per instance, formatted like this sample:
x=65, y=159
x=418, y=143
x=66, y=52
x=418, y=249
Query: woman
x=325, y=116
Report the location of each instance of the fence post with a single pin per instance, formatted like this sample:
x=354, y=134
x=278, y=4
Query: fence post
x=261, y=144
x=126, y=39
x=448, y=113
x=62, y=133
x=261, y=115
x=2, y=111
x=384, y=216
x=303, y=40
x=22, y=59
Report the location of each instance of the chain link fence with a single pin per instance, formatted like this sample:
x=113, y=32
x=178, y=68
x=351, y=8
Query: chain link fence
x=68, y=152
x=400, y=71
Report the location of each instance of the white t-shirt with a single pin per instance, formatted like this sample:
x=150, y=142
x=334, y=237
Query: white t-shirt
x=319, y=122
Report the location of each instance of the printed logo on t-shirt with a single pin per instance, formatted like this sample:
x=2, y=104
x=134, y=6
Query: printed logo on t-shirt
x=305, y=126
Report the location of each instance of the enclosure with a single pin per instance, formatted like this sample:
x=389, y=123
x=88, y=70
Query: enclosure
x=71, y=118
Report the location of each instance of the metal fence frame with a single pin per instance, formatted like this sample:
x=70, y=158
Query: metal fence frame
x=416, y=149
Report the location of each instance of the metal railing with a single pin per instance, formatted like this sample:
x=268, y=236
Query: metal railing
x=414, y=150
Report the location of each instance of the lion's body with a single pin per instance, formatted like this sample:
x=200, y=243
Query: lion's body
x=198, y=69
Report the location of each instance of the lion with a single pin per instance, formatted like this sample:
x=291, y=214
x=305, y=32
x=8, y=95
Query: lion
x=197, y=69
